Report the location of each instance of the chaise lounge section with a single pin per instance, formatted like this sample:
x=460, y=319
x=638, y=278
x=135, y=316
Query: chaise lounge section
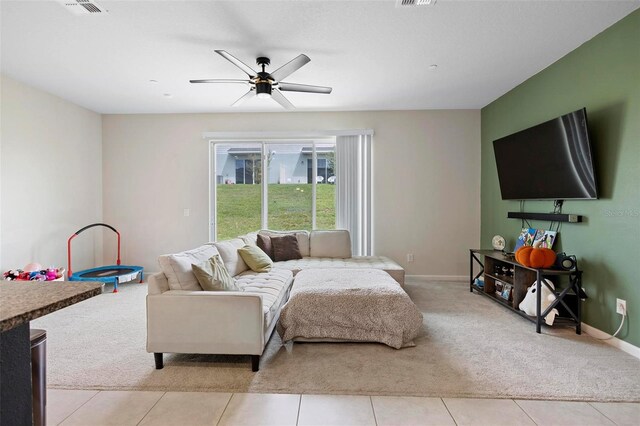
x=183, y=318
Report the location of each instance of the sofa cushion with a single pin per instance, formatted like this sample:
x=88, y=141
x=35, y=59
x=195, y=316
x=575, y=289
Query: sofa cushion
x=213, y=275
x=285, y=247
x=302, y=236
x=250, y=238
x=273, y=286
x=177, y=267
x=372, y=262
x=264, y=242
x=229, y=253
x=333, y=243
x=255, y=258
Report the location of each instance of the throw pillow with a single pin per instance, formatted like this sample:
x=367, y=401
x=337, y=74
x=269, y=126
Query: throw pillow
x=335, y=243
x=302, y=236
x=264, y=242
x=228, y=250
x=213, y=275
x=285, y=248
x=177, y=267
x=257, y=259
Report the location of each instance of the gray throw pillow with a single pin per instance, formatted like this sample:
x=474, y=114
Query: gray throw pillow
x=213, y=275
x=285, y=248
x=264, y=242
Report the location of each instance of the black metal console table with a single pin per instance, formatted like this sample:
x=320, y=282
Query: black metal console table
x=521, y=278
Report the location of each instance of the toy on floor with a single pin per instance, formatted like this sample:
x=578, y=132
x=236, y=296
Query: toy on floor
x=34, y=272
x=528, y=304
x=112, y=274
x=33, y=266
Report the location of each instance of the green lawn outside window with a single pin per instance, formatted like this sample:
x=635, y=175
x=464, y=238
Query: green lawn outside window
x=289, y=208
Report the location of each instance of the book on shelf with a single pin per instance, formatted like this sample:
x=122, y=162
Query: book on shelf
x=526, y=237
x=544, y=239
x=504, y=290
x=539, y=238
x=507, y=291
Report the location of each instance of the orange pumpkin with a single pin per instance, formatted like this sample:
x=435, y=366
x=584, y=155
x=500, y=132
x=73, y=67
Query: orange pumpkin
x=522, y=255
x=535, y=257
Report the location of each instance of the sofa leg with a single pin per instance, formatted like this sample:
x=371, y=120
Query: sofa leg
x=255, y=362
x=158, y=357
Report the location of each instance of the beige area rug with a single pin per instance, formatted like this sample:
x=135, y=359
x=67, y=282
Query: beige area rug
x=470, y=347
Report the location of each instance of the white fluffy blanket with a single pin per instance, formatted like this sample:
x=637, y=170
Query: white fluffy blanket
x=362, y=305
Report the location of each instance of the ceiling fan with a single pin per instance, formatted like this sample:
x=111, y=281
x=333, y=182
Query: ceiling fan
x=268, y=85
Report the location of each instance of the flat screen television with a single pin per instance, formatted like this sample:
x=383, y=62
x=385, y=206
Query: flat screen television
x=550, y=161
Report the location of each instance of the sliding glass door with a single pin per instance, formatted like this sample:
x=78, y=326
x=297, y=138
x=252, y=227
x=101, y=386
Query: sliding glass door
x=283, y=185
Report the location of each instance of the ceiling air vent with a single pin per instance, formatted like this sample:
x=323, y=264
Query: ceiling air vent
x=82, y=7
x=404, y=3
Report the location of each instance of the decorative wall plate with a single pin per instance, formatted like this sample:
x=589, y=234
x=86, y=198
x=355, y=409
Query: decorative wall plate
x=498, y=242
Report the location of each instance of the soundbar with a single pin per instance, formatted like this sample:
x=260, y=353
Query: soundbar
x=553, y=217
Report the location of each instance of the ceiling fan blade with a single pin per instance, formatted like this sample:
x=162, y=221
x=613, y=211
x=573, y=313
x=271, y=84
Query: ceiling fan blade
x=290, y=67
x=237, y=62
x=250, y=94
x=220, y=81
x=295, y=87
x=279, y=98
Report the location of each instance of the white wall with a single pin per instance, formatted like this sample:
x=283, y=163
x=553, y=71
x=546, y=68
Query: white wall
x=426, y=180
x=51, y=178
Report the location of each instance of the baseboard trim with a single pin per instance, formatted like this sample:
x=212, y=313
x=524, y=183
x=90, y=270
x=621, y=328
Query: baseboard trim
x=615, y=342
x=438, y=277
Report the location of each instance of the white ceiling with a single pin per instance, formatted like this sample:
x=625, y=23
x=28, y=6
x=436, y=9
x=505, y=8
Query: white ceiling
x=374, y=55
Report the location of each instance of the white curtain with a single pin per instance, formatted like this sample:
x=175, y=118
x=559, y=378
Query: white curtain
x=353, y=191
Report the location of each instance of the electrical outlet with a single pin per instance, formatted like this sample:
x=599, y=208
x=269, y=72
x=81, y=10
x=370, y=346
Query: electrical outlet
x=410, y=257
x=186, y=212
x=621, y=306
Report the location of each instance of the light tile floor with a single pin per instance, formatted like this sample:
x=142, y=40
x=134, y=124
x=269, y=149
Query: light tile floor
x=79, y=407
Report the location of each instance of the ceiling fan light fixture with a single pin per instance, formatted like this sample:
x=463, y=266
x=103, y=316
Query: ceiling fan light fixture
x=261, y=83
x=263, y=89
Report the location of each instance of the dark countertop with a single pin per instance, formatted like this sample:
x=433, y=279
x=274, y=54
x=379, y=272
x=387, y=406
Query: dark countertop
x=23, y=301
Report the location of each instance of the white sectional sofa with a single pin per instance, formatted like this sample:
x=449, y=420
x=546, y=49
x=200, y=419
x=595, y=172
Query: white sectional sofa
x=182, y=318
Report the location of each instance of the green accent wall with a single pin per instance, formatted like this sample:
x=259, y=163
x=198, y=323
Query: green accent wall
x=602, y=75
